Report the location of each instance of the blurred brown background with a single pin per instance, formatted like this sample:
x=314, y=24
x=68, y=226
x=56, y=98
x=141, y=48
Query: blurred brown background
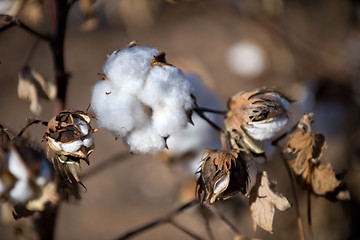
x=309, y=49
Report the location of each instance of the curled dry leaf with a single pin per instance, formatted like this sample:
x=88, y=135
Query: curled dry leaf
x=33, y=86
x=223, y=174
x=263, y=201
x=260, y=114
x=310, y=172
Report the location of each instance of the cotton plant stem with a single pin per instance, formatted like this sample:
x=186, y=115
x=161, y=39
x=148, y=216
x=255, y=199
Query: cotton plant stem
x=203, y=116
x=202, y=109
x=311, y=236
x=204, y=211
x=162, y=220
x=181, y=228
x=218, y=214
x=296, y=201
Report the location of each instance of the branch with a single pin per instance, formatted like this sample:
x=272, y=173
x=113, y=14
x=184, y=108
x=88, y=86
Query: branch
x=165, y=219
x=203, y=116
x=293, y=187
x=218, y=214
x=11, y=21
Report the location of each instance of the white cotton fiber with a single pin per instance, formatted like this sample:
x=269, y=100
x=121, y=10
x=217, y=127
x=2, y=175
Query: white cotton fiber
x=145, y=140
x=141, y=102
x=169, y=120
x=268, y=130
x=82, y=125
x=166, y=84
x=72, y=147
x=128, y=67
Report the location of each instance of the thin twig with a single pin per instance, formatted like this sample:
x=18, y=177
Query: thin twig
x=175, y=224
x=31, y=122
x=214, y=125
x=15, y=21
x=218, y=214
x=202, y=109
x=309, y=201
x=293, y=187
x=204, y=211
x=165, y=219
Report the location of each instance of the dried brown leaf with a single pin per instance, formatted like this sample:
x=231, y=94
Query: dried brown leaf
x=310, y=172
x=33, y=86
x=263, y=201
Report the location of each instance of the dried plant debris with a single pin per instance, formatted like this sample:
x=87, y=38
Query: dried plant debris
x=26, y=178
x=310, y=171
x=33, y=86
x=263, y=200
x=261, y=114
x=223, y=174
x=69, y=140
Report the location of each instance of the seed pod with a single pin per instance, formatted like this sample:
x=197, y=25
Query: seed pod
x=261, y=114
x=69, y=135
x=223, y=174
x=69, y=140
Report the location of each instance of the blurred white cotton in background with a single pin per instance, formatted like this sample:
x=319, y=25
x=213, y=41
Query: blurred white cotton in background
x=246, y=59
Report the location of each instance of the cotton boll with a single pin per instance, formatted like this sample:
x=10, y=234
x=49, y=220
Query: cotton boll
x=222, y=185
x=246, y=59
x=22, y=191
x=167, y=120
x=268, y=130
x=127, y=68
x=145, y=140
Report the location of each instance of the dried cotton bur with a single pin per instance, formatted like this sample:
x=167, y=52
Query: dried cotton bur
x=310, y=171
x=26, y=177
x=223, y=174
x=261, y=114
x=142, y=99
x=69, y=140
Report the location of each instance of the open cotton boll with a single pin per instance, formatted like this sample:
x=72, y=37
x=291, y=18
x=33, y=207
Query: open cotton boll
x=127, y=68
x=167, y=120
x=145, y=140
x=22, y=191
x=166, y=84
x=268, y=130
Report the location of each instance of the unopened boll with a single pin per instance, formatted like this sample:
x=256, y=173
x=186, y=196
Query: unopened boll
x=142, y=99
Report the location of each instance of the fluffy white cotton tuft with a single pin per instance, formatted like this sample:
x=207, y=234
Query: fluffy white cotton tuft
x=141, y=102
